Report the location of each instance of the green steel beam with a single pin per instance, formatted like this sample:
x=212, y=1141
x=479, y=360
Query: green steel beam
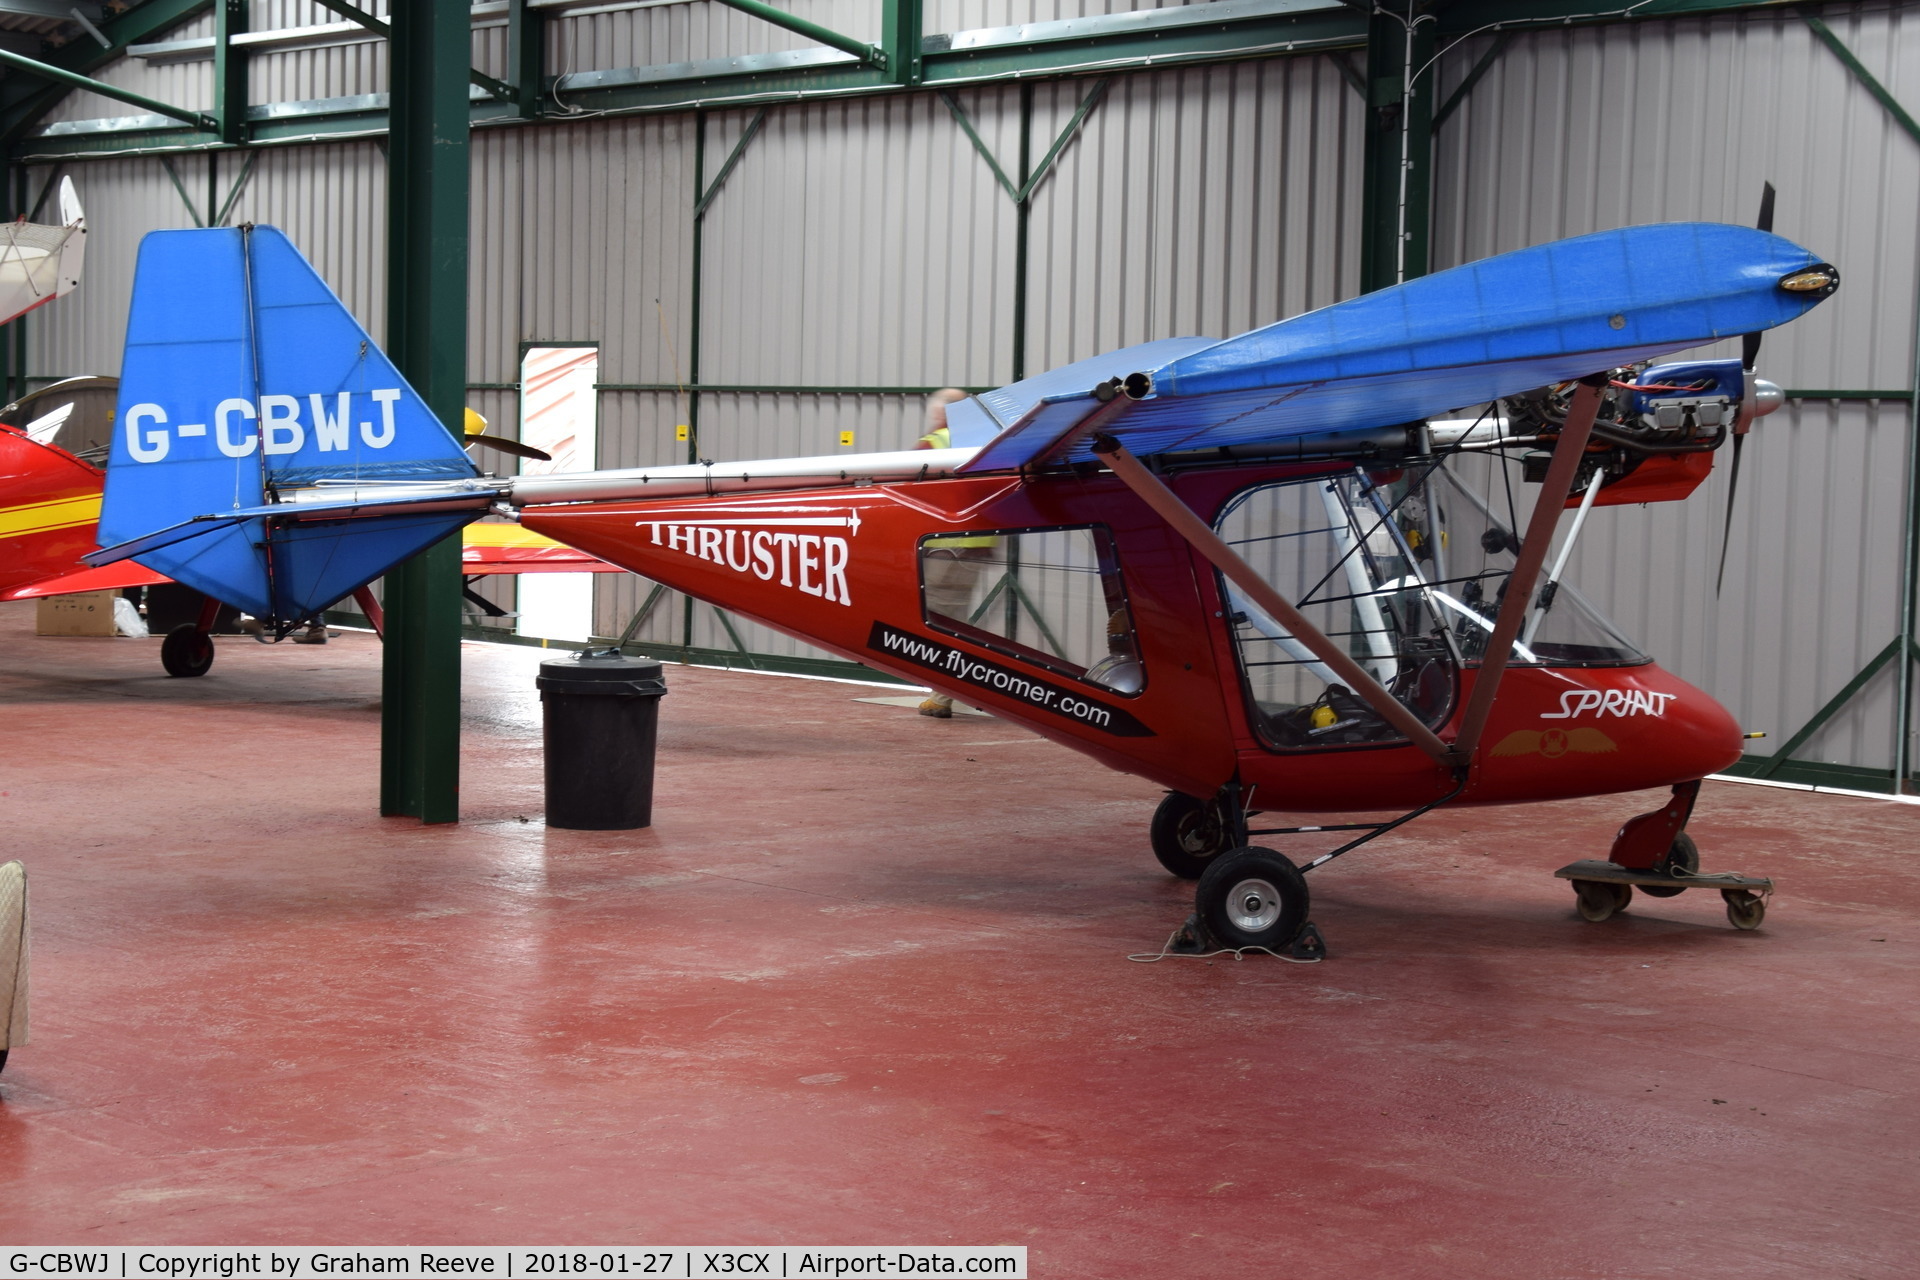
x=901, y=35
x=166, y=162
x=1472, y=78
x=1353, y=78
x=871, y=54
x=353, y=13
x=1475, y=15
x=1022, y=236
x=733, y=158
x=1396, y=187
x=695, y=270
x=23, y=103
x=526, y=57
x=74, y=80
x=1124, y=43
x=1867, y=79
x=427, y=212
x=1910, y=513
x=233, y=194
x=1771, y=764
x=229, y=73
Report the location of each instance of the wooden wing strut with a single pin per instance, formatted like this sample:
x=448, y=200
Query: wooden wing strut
x=1526, y=566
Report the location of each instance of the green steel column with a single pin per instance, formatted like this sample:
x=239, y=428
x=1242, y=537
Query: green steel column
x=427, y=195
x=900, y=36
x=229, y=77
x=526, y=56
x=1022, y=213
x=1396, y=193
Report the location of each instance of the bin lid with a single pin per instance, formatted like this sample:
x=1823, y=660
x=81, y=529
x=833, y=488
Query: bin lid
x=600, y=672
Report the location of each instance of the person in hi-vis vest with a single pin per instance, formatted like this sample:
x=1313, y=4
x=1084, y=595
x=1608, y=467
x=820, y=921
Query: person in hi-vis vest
x=953, y=568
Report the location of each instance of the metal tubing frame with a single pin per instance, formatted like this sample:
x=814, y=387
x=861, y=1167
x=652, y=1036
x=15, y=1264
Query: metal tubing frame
x=872, y=54
x=73, y=79
x=1168, y=506
x=1518, y=600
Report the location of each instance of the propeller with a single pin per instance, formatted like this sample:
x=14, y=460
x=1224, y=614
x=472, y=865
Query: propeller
x=476, y=430
x=1749, y=356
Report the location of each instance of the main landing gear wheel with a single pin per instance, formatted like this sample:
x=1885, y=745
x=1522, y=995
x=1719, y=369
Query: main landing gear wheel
x=1598, y=900
x=187, y=651
x=1683, y=859
x=1745, y=910
x=1188, y=834
x=1253, y=898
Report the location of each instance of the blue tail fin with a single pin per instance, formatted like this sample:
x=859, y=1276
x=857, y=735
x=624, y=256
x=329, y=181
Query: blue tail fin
x=246, y=378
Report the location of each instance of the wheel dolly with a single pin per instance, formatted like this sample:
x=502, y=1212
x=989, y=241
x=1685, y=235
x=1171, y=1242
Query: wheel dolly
x=1654, y=853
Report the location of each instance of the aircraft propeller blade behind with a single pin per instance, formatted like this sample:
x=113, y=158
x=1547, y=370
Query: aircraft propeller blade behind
x=1749, y=357
x=513, y=447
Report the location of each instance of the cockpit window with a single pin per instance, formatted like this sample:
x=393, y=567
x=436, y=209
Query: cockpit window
x=1335, y=547
x=1051, y=597
x=1405, y=569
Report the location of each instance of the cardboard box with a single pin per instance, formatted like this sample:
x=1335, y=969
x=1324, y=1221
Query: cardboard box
x=89, y=613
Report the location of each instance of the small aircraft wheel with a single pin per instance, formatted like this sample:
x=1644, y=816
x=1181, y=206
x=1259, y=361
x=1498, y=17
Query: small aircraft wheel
x=1188, y=834
x=1683, y=857
x=187, y=651
x=1744, y=910
x=1253, y=898
x=1596, y=900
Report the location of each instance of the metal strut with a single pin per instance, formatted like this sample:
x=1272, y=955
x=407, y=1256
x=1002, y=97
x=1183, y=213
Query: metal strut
x=1373, y=829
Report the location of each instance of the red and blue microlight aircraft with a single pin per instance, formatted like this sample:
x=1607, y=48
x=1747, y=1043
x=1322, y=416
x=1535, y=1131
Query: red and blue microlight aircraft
x=1283, y=572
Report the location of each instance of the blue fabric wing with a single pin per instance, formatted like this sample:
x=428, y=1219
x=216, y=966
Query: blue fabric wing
x=1474, y=333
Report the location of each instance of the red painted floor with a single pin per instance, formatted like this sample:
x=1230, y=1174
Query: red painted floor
x=864, y=981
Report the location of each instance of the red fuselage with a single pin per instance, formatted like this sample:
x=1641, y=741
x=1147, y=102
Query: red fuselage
x=839, y=568
x=49, y=505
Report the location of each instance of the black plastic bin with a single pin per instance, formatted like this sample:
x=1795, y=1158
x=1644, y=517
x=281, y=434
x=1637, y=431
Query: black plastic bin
x=602, y=718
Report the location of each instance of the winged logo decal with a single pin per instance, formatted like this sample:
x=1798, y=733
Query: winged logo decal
x=1554, y=743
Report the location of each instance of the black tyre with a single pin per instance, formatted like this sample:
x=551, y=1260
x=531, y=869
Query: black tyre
x=3, y=1059
x=1683, y=857
x=1188, y=834
x=1253, y=898
x=187, y=651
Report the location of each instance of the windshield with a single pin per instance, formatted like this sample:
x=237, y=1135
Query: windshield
x=1405, y=570
x=1467, y=512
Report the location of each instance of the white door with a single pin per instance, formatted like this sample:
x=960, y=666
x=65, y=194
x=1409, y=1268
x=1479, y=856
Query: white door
x=559, y=413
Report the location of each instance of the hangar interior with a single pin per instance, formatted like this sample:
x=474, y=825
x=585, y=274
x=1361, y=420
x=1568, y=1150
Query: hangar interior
x=765, y=231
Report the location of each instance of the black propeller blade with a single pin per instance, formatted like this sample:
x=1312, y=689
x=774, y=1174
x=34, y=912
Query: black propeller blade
x=513, y=447
x=1749, y=357
x=1726, y=529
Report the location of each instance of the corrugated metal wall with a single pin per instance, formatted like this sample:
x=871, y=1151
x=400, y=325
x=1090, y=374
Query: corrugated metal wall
x=864, y=244
x=1579, y=130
